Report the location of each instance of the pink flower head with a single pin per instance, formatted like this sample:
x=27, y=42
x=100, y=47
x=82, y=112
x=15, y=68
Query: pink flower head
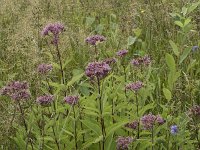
x=122, y=53
x=45, y=100
x=132, y=125
x=136, y=86
x=16, y=90
x=150, y=120
x=71, y=100
x=110, y=61
x=195, y=111
x=141, y=61
x=95, y=39
x=55, y=29
x=44, y=68
x=123, y=142
x=97, y=69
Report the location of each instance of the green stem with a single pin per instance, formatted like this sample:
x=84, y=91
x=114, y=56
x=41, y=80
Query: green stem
x=61, y=65
x=138, y=127
x=75, y=133
x=101, y=114
x=152, y=138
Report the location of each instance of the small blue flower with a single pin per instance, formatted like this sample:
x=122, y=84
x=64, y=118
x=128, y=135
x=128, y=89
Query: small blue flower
x=195, y=48
x=174, y=129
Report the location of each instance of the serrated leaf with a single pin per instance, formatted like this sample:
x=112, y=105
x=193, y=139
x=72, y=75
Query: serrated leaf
x=174, y=47
x=167, y=94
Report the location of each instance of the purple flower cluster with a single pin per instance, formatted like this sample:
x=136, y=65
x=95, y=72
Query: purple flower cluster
x=45, y=100
x=71, y=100
x=132, y=125
x=123, y=142
x=195, y=111
x=95, y=39
x=148, y=121
x=141, y=61
x=110, y=61
x=134, y=86
x=122, y=53
x=55, y=29
x=44, y=68
x=97, y=69
x=16, y=90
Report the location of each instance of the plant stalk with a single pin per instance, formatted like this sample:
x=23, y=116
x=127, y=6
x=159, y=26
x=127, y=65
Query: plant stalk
x=101, y=114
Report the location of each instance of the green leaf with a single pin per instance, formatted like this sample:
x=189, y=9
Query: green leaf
x=131, y=40
x=167, y=94
x=111, y=129
x=89, y=21
x=92, y=126
x=187, y=21
x=75, y=79
x=99, y=28
x=98, y=139
x=180, y=24
x=55, y=65
x=174, y=48
x=170, y=62
x=109, y=142
x=184, y=11
x=67, y=62
x=145, y=108
x=193, y=7
x=57, y=85
x=185, y=54
x=137, y=32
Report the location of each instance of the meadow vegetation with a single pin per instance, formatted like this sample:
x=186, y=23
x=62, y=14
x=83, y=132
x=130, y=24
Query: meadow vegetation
x=100, y=74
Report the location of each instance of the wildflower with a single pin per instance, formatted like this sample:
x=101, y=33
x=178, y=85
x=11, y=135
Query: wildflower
x=141, y=61
x=123, y=142
x=110, y=61
x=160, y=120
x=16, y=90
x=55, y=29
x=132, y=125
x=95, y=39
x=195, y=111
x=44, y=68
x=134, y=86
x=71, y=100
x=195, y=48
x=21, y=95
x=150, y=120
x=174, y=129
x=122, y=53
x=45, y=100
x=97, y=69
